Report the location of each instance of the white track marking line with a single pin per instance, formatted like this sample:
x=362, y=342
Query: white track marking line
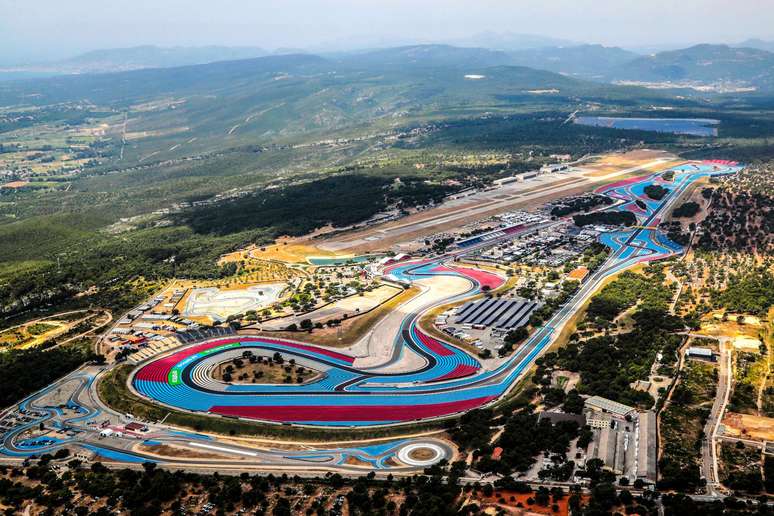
x=222, y=448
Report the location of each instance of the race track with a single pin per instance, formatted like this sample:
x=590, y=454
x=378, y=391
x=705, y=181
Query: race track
x=450, y=381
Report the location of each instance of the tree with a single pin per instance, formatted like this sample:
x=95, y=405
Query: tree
x=687, y=209
x=603, y=496
x=542, y=496
x=149, y=467
x=573, y=403
x=656, y=192
x=516, y=335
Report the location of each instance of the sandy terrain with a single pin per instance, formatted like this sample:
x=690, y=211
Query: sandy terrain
x=289, y=252
x=611, y=163
x=713, y=326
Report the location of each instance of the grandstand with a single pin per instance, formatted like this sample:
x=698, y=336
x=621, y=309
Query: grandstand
x=161, y=343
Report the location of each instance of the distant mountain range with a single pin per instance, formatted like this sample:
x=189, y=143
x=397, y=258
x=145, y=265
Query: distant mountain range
x=703, y=64
x=587, y=61
x=749, y=65
x=704, y=67
x=227, y=103
x=510, y=41
x=136, y=58
x=757, y=43
x=428, y=56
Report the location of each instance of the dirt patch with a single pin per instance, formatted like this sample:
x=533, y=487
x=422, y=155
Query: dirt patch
x=747, y=426
x=519, y=503
x=565, y=380
x=165, y=450
x=421, y=454
x=713, y=325
x=611, y=163
x=288, y=252
x=354, y=461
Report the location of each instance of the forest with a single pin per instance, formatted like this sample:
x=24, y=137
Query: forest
x=647, y=291
x=300, y=209
x=609, y=359
x=609, y=364
x=750, y=292
x=23, y=372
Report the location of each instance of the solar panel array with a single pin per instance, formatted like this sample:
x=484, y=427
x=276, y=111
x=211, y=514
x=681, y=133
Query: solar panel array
x=500, y=313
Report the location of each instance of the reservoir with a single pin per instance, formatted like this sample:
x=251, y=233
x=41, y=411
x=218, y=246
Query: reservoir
x=690, y=126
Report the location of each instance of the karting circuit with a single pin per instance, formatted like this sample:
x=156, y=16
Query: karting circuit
x=70, y=406
x=421, y=377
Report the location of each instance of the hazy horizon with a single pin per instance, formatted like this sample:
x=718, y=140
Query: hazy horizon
x=49, y=30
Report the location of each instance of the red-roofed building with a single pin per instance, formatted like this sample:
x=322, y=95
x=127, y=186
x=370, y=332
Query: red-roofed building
x=578, y=274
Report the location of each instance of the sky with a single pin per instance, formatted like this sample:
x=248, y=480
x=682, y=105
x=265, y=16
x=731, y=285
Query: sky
x=52, y=29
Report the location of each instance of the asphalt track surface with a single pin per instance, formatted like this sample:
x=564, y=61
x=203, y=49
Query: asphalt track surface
x=450, y=381
x=346, y=396
x=76, y=424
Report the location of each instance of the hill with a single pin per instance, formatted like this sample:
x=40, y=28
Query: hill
x=145, y=56
x=587, y=61
x=173, y=112
x=510, y=41
x=757, y=43
x=124, y=88
x=704, y=64
x=428, y=56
